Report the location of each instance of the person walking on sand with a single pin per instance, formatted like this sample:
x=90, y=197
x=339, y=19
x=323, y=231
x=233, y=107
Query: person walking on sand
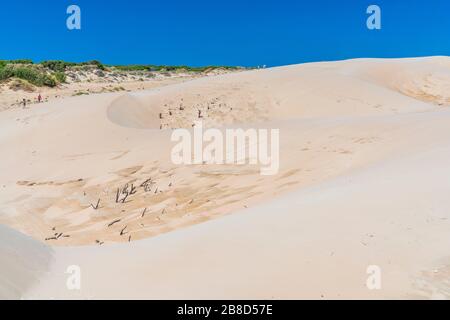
x=24, y=101
x=39, y=98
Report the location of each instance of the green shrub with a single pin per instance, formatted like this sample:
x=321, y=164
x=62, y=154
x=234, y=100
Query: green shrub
x=20, y=61
x=56, y=65
x=60, y=77
x=28, y=73
x=45, y=80
x=6, y=72
x=61, y=66
x=133, y=68
x=164, y=68
x=96, y=63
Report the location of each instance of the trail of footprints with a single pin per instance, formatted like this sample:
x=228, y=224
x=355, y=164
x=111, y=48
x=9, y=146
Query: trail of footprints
x=216, y=111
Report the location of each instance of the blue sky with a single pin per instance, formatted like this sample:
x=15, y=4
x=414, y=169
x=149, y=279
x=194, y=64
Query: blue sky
x=222, y=32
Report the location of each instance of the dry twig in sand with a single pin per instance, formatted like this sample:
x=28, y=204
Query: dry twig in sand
x=122, y=232
x=97, y=205
x=132, y=190
x=117, y=195
x=114, y=222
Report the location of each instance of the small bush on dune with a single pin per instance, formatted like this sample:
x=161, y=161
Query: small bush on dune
x=60, y=77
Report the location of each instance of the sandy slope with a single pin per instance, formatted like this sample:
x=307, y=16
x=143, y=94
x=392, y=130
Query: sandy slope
x=23, y=262
x=362, y=181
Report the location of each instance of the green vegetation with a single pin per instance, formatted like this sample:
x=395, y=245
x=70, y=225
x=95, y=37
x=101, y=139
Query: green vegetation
x=60, y=77
x=26, y=72
x=19, y=61
x=57, y=66
x=51, y=73
x=47, y=73
x=61, y=66
x=163, y=68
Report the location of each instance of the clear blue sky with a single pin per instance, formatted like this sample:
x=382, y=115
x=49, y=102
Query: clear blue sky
x=222, y=32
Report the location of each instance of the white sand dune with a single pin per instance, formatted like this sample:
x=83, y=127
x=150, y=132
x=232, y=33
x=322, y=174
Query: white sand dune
x=363, y=181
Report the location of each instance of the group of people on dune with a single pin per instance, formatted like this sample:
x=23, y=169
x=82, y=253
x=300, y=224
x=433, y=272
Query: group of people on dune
x=39, y=100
